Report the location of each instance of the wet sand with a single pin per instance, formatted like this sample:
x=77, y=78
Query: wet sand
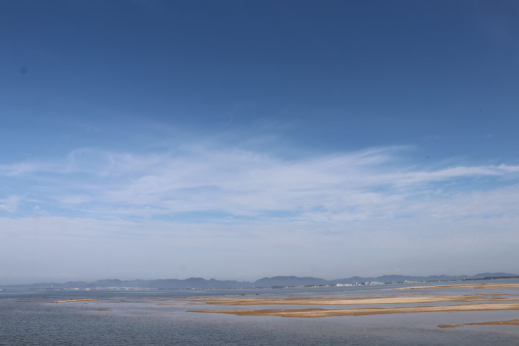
x=477, y=286
x=360, y=301
x=76, y=300
x=495, y=323
x=449, y=325
x=312, y=313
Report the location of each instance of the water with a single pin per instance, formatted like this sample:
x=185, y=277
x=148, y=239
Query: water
x=139, y=318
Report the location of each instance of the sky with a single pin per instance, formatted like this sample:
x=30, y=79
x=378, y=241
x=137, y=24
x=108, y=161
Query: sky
x=242, y=139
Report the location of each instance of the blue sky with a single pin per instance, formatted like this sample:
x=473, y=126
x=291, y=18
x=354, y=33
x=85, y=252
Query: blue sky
x=241, y=139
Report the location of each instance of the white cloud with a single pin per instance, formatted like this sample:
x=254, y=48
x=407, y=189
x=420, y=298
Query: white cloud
x=362, y=185
x=10, y=204
x=255, y=212
x=79, y=199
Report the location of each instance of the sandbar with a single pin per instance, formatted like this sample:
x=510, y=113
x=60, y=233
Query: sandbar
x=449, y=325
x=312, y=313
x=477, y=286
x=360, y=301
x=499, y=323
x=495, y=323
x=76, y=300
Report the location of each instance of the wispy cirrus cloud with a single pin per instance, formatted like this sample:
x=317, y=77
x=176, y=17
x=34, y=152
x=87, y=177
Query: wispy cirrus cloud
x=226, y=183
x=275, y=214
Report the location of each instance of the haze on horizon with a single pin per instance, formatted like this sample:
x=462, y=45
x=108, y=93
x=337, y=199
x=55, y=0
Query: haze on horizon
x=148, y=139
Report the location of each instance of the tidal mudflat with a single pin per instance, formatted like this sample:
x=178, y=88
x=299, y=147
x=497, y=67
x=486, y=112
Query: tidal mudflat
x=360, y=301
x=312, y=313
x=293, y=316
x=400, y=304
x=74, y=301
x=458, y=286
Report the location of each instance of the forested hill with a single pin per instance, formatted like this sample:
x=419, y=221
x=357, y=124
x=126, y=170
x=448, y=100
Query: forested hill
x=275, y=281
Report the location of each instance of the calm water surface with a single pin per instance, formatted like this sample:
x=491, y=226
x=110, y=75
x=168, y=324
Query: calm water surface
x=148, y=318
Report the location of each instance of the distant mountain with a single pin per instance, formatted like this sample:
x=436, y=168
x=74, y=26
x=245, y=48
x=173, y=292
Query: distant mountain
x=289, y=281
x=489, y=275
x=264, y=282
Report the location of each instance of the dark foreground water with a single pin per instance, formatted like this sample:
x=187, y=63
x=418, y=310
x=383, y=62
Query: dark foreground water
x=151, y=318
